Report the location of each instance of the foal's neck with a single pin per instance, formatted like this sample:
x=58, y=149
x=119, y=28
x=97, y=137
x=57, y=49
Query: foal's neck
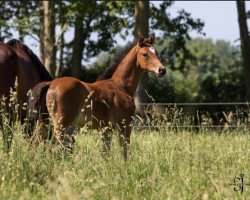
x=128, y=73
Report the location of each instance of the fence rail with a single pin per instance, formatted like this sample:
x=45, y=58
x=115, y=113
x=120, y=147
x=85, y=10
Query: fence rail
x=230, y=115
x=194, y=104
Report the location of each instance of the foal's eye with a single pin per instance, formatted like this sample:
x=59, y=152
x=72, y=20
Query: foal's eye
x=145, y=55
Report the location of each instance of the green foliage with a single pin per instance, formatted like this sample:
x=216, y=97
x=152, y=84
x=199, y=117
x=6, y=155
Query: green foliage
x=176, y=30
x=208, y=71
x=221, y=68
x=6, y=10
x=101, y=20
x=213, y=74
x=18, y=16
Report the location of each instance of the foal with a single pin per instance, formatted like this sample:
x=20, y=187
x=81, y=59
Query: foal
x=108, y=101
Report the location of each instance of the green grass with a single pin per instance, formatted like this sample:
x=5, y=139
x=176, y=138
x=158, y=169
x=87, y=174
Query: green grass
x=162, y=165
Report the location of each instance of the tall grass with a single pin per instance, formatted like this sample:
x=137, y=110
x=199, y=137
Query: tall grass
x=162, y=166
x=165, y=163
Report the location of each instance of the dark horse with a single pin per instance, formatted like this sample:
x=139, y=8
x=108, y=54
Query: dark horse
x=17, y=61
x=106, y=104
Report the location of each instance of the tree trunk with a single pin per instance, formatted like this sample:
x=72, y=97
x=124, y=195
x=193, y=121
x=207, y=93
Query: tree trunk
x=245, y=43
x=78, y=46
x=61, y=47
x=141, y=28
x=41, y=32
x=141, y=18
x=49, y=37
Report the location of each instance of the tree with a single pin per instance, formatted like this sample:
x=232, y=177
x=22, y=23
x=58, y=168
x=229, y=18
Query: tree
x=245, y=44
x=142, y=14
x=24, y=18
x=91, y=20
x=176, y=29
x=61, y=44
x=141, y=18
x=48, y=36
x=78, y=47
x=9, y=12
x=213, y=74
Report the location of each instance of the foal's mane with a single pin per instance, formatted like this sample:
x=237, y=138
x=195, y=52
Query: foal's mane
x=116, y=61
x=44, y=74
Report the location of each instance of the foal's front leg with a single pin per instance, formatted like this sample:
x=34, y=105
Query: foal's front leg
x=37, y=130
x=106, y=140
x=125, y=140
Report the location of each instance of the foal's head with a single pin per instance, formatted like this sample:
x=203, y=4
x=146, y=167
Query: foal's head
x=147, y=57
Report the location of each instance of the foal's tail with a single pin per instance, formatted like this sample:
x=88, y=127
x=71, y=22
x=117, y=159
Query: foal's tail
x=37, y=109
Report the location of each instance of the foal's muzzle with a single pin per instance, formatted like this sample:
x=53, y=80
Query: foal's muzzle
x=162, y=72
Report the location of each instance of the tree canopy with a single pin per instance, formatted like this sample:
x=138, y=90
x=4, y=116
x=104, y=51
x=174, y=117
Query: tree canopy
x=198, y=70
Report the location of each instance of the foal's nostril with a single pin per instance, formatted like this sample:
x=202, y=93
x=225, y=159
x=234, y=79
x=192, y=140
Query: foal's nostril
x=162, y=71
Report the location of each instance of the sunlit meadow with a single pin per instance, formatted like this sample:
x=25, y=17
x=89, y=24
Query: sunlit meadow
x=165, y=163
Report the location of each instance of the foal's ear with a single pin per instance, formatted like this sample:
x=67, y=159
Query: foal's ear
x=152, y=39
x=141, y=41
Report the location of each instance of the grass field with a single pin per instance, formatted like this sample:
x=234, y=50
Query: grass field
x=163, y=165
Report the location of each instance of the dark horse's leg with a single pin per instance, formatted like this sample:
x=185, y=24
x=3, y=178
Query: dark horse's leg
x=6, y=125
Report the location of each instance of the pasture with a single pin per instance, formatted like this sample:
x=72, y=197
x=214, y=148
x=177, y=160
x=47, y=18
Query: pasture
x=168, y=152
x=163, y=165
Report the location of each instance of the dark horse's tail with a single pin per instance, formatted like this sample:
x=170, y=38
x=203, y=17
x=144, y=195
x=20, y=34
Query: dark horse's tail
x=37, y=108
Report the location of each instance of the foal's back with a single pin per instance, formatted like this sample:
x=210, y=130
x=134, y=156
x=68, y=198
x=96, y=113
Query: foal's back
x=64, y=99
x=71, y=101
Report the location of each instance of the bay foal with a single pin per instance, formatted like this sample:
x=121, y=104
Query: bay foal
x=105, y=104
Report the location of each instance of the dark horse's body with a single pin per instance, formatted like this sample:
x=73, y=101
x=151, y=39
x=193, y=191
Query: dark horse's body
x=17, y=61
x=105, y=104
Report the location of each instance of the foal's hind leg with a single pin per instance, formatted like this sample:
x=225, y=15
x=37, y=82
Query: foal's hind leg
x=41, y=132
x=68, y=139
x=36, y=136
x=64, y=136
